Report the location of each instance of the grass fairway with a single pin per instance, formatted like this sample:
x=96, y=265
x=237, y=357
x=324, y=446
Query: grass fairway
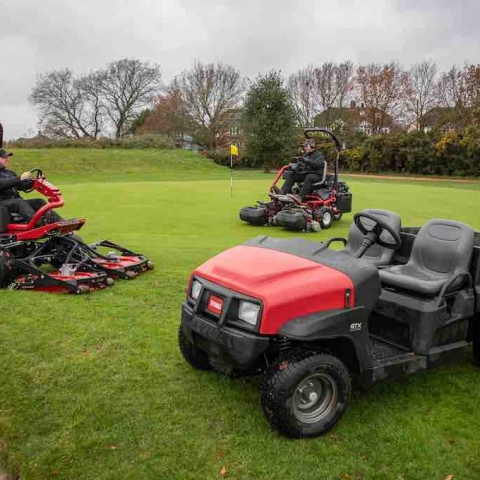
x=94, y=387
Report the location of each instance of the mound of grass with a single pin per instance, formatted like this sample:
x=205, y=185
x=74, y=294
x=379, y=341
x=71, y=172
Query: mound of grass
x=95, y=165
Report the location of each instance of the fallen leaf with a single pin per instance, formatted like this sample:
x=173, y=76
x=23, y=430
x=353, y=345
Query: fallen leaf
x=220, y=454
x=145, y=455
x=450, y=477
x=346, y=476
x=85, y=352
x=334, y=438
x=55, y=472
x=223, y=471
x=363, y=457
x=112, y=446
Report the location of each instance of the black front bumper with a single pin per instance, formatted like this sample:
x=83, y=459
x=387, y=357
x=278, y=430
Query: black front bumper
x=225, y=345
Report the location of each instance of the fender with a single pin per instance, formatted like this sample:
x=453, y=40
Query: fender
x=350, y=324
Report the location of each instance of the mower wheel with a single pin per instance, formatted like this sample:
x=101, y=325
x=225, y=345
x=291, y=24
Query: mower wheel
x=325, y=217
x=337, y=216
x=193, y=355
x=305, y=396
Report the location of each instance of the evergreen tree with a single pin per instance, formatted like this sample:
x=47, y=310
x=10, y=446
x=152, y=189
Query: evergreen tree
x=269, y=121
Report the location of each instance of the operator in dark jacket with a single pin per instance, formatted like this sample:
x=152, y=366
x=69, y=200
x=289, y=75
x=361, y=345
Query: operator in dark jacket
x=10, y=184
x=312, y=166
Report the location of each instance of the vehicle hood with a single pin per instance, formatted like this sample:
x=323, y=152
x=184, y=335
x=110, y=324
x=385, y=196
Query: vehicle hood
x=288, y=285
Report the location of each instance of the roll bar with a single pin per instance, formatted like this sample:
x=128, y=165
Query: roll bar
x=336, y=141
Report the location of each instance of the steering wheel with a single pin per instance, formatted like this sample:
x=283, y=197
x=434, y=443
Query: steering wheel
x=37, y=173
x=370, y=224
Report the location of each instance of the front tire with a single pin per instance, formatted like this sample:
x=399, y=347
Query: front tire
x=306, y=396
x=325, y=217
x=192, y=354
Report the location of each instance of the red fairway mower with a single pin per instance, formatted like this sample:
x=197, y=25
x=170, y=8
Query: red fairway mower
x=329, y=200
x=315, y=321
x=47, y=255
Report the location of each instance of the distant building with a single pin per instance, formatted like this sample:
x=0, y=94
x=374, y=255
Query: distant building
x=442, y=119
x=355, y=119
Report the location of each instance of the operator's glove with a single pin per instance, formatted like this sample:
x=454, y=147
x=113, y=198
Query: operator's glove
x=25, y=184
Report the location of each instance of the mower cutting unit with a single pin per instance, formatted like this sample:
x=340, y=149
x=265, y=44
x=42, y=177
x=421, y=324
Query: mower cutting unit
x=45, y=254
x=329, y=200
x=314, y=320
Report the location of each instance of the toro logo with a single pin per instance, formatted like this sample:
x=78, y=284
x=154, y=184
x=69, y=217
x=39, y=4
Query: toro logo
x=215, y=305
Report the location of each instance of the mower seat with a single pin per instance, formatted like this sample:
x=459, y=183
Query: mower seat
x=441, y=253
x=376, y=254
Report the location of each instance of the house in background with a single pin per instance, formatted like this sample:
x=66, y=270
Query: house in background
x=442, y=119
x=355, y=119
x=232, y=130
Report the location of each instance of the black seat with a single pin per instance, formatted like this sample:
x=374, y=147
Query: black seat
x=441, y=253
x=376, y=254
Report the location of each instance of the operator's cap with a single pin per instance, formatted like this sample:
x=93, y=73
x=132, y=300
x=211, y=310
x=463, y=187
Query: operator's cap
x=4, y=153
x=308, y=141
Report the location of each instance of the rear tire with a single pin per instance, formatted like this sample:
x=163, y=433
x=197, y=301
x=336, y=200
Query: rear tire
x=306, y=396
x=193, y=355
x=325, y=217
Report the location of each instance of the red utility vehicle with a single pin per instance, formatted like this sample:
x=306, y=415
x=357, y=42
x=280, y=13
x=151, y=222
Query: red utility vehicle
x=314, y=320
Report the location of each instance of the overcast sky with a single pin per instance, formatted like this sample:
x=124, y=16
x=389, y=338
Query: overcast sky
x=253, y=35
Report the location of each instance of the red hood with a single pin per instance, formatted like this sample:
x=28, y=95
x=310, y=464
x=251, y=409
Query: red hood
x=289, y=286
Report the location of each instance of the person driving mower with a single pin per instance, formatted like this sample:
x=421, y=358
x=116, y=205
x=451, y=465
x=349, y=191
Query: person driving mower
x=310, y=170
x=11, y=201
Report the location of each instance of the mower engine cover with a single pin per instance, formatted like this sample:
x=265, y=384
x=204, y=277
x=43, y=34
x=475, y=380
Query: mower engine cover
x=287, y=279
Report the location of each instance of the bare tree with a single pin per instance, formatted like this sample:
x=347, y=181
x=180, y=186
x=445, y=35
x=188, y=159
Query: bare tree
x=128, y=85
x=301, y=86
x=382, y=90
x=90, y=87
x=422, y=93
x=452, y=90
x=210, y=91
x=452, y=93
x=325, y=86
x=344, y=81
x=61, y=106
x=472, y=84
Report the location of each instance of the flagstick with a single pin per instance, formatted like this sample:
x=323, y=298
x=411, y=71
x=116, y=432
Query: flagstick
x=231, y=175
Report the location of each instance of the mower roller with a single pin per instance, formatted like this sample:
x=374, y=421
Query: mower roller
x=316, y=321
x=47, y=255
x=328, y=201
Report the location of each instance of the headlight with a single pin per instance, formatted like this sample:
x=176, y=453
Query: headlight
x=196, y=288
x=248, y=312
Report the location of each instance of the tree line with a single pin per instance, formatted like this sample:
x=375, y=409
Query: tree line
x=129, y=94
x=129, y=97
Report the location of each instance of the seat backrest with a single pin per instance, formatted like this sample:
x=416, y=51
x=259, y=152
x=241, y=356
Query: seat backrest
x=376, y=254
x=443, y=247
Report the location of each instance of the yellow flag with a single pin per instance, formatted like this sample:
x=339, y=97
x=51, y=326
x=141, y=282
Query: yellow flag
x=234, y=150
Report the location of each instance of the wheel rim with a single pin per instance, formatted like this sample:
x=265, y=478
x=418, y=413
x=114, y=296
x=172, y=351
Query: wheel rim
x=314, y=398
x=327, y=218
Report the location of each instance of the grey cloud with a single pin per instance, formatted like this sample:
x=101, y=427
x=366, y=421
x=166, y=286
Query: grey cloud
x=254, y=36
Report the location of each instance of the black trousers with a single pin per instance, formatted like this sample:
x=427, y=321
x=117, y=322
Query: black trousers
x=308, y=180
x=27, y=209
